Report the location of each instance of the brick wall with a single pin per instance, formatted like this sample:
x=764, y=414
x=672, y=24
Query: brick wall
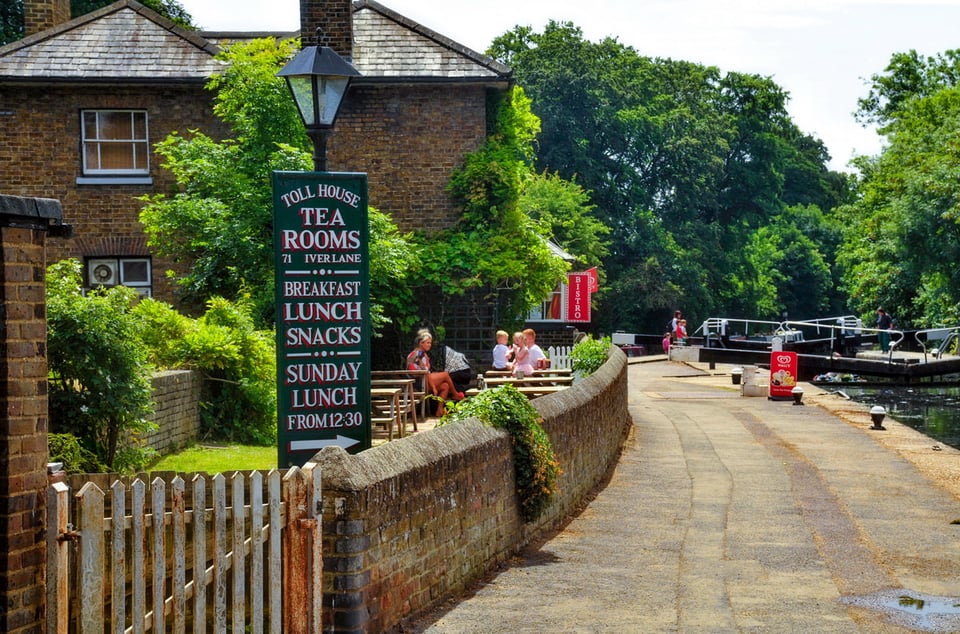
x=176, y=411
x=391, y=133
x=408, y=140
x=40, y=156
x=412, y=523
x=23, y=412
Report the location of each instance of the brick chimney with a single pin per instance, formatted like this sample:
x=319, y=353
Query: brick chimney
x=335, y=19
x=40, y=15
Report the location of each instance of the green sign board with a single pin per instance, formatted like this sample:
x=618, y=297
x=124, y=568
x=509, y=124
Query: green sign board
x=322, y=266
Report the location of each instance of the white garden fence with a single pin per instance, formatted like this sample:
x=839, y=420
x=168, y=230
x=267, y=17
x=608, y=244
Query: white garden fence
x=220, y=553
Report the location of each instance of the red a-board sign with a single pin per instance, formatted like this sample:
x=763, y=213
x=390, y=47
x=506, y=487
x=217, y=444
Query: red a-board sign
x=783, y=374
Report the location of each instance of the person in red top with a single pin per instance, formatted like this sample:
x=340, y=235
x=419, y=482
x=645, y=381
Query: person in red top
x=681, y=332
x=438, y=383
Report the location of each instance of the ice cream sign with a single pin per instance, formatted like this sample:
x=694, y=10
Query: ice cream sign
x=783, y=374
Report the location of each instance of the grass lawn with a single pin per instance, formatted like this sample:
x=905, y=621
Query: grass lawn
x=219, y=459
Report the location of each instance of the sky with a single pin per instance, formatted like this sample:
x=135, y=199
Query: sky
x=822, y=52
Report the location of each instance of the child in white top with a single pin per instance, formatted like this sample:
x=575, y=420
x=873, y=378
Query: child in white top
x=500, y=352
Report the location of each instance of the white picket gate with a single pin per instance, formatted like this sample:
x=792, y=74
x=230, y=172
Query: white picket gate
x=177, y=561
x=559, y=356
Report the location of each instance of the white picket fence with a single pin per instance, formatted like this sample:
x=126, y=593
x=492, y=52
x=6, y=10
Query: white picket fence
x=249, y=558
x=559, y=356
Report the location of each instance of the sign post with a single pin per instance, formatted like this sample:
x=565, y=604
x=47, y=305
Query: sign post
x=322, y=297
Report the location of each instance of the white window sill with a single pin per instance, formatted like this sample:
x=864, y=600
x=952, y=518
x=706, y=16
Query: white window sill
x=114, y=180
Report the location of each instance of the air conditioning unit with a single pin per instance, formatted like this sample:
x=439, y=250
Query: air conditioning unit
x=102, y=272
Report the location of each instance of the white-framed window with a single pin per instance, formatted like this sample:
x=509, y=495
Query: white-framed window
x=552, y=308
x=132, y=272
x=115, y=143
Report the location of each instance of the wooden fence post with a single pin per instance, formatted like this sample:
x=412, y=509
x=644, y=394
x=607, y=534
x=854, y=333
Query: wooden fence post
x=58, y=576
x=302, y=553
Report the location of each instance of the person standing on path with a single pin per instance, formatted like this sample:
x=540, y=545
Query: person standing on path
x=884, y=325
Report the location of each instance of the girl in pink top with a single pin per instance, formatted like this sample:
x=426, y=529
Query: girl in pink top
x=521, y=356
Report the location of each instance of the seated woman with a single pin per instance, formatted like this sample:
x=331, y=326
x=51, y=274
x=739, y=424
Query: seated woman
x=438, y=383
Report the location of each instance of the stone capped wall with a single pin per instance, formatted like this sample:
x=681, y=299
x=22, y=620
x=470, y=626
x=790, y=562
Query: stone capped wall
x=176, y=397
x=414, y=522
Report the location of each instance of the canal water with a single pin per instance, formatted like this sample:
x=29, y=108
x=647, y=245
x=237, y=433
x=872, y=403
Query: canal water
x=933, y=410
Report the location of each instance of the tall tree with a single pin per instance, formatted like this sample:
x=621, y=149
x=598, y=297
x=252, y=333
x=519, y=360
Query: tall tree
x=908, y=75
x=902, y=240
x=684, y=164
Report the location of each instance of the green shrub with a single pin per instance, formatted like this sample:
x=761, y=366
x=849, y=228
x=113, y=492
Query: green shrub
x=99, y=376
x=537, y=469
x=589, y=355
x=237, y=362
x=66, y=448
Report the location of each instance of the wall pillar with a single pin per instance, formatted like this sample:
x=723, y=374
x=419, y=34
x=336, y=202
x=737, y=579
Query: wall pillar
x=24, y=226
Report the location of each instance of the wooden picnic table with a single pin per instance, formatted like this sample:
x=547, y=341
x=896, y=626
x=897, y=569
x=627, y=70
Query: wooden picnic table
x=540, y=372
x=530, y=391
x=528, y=381
x=408, y=400
x=389, y=399
x=419, y=385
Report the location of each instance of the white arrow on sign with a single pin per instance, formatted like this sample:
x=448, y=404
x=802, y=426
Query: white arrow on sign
x=316, y=445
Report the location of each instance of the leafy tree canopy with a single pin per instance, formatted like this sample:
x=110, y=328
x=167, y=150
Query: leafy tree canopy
x=902, y=239
x=908, y=76
x=684, y=164
x=497, y=245
x=99, y=375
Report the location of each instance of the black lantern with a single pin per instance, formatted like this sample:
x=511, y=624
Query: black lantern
x=318, y=79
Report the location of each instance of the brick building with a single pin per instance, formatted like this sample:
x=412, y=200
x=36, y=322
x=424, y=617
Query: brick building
x=83, y=101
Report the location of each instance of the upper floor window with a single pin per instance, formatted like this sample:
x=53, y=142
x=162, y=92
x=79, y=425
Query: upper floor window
x=115, y=143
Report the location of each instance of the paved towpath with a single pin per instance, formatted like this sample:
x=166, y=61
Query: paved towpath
x=737, y=514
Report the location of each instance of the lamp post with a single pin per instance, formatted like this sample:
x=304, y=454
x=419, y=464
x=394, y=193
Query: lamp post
x=318, y=79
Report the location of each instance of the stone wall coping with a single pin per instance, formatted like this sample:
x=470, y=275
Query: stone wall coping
x=30, y=208
x=356, y=472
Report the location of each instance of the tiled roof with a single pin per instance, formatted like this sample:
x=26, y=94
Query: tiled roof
x=123, y=41
x=127, y=42
x=388, y=46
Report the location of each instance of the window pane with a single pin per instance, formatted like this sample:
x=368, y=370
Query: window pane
x=140, y=158
x=140, y=125
x=91, y=156
x=115, y=141
x=89, y=125
x=115, y=125
x=115, y=156
x=134, y=272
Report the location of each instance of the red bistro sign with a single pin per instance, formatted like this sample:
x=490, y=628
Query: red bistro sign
x=578, y=297
x=322, y=299
x=783, y=374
